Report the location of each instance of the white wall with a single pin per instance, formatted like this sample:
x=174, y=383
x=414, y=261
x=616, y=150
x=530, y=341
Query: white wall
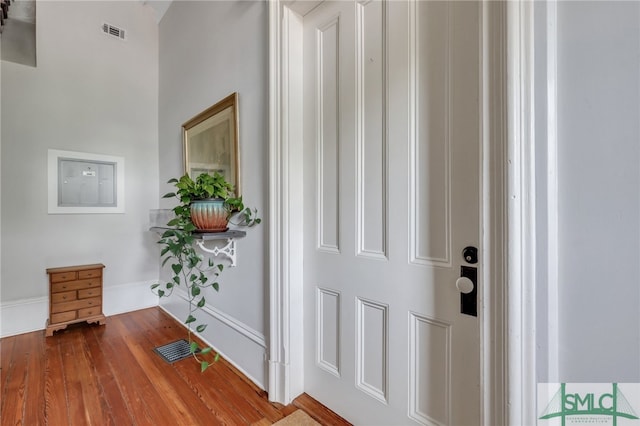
x=90, y=93
x=23, y=10
x=598, y=192
x=0, y=187
x=207, y=51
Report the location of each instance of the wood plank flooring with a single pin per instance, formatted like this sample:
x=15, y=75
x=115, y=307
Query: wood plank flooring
x=109, y=375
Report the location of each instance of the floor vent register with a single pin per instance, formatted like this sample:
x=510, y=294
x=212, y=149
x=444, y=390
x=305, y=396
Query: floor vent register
x=174, y=351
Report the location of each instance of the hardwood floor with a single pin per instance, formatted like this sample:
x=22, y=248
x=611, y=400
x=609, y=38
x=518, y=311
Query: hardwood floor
x=109, y=375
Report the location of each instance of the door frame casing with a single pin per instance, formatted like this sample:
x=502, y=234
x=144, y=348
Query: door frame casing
x=507, y=313
x=285, y=364
x=520, y=222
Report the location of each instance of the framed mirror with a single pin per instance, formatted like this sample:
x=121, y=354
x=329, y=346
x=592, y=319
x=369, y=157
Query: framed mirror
x=210, y=142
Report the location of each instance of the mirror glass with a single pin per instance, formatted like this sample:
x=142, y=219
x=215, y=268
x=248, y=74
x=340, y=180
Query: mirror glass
x=211, y=142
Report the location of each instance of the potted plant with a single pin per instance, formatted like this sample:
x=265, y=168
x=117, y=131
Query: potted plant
x=209, y=201
x=188, y=266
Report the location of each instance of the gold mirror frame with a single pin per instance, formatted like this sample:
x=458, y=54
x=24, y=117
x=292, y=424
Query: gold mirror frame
x=210, y=142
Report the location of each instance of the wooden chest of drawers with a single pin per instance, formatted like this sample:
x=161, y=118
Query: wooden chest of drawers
x=75, y=295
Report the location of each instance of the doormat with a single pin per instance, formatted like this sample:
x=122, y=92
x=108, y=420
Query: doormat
x=297, y=418
x=174, y=351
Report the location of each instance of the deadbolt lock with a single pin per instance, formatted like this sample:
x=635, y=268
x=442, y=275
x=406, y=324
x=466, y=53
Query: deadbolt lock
x=470, y=255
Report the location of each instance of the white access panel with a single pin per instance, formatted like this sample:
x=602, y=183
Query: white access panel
x=83, y=183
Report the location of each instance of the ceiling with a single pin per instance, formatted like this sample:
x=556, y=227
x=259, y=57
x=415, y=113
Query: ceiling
x=160, y=7
x=25, y=10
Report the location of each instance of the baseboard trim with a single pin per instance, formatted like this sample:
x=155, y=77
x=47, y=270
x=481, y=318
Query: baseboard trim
x=248, y=355
x=231, y=322
x=122, y=298
x=28, y=315
x=23, y=316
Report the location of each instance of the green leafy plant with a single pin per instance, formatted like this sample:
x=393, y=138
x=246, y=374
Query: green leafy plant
x=188, y=266
x=208, y=186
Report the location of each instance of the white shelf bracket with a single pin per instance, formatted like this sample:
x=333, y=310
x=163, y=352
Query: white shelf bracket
x=229, y=250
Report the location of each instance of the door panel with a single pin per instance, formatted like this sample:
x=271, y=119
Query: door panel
x=391, y=156
x=371, y=130
x=429, y=138
x=328, y=136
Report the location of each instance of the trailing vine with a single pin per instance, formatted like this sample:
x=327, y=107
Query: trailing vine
x=187, y=265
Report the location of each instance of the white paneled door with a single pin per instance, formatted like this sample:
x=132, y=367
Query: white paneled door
x=391, y=191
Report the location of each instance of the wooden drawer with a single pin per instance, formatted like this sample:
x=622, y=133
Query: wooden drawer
x=66, y=296
x=63, y=276
x=75, y=285
x=76, y=304
x=75, y=294
x=62, y=317
x=91, y=273
x=89, y=312
x=90, y=292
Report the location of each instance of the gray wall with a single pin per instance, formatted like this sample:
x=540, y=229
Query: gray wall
x=1, y=180
x=599, y=190
x=90, y=93
x=540, y=73
x=101, y=95
x=23, y=10
x=598, y=193
x=207, y=51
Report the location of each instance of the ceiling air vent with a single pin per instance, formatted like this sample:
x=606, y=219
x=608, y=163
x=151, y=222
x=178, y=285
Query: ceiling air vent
x=113, y=31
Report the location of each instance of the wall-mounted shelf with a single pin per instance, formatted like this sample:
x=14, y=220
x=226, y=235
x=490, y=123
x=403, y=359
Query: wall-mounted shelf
x=229, y=250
